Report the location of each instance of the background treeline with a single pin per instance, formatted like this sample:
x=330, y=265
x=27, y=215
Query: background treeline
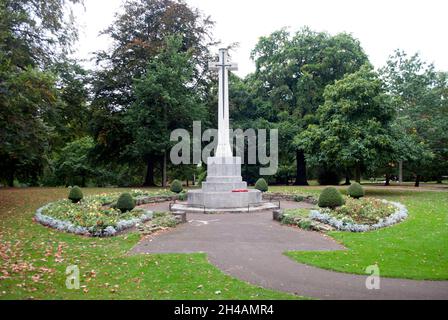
x=339, y=119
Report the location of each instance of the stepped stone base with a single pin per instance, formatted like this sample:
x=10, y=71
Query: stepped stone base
x=224, y=199
x=191, y=209
x=223, y=177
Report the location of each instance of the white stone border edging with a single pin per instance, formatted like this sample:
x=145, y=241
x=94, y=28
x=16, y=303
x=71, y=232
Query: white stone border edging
x=399, y=215
x=69, y=227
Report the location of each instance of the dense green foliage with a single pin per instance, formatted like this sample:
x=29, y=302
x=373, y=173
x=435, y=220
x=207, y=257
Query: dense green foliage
x=337, y=118
x=36, y=92
x=419, y=94
x=291, y=76
x=75, y=194
x=164, y=101
x=176, y=186
x=125, y=202
x=330, y=198
x=356, y=191
x=355, y=125
x=135, y=93
x=262, y=185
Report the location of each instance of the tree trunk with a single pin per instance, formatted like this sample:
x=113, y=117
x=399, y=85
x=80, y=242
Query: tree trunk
x=439, y=180
x=347, y=178
x=387, y=180
x=417, y=180
x=301, y=169
x=149, y=179
x=164, y=180
x=10, y=177
x=400, y=172
x=358, y=173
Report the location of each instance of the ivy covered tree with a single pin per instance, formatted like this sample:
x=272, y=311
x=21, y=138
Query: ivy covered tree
x=355, y=125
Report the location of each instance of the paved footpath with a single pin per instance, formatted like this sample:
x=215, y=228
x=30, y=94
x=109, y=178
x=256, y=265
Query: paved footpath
x=250, y=247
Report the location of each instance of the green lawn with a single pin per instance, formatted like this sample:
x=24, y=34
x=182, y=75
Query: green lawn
x=414, y=249
x=40, y=256
x=417, y=249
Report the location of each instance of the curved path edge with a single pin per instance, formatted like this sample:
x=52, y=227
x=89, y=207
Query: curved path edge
x=251, y=247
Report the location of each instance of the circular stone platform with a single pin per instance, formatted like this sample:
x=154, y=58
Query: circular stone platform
x=224, y=190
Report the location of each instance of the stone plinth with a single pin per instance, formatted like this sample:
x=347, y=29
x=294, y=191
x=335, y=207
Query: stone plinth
x=223, y=174
x=224, y=177
x=224, y=199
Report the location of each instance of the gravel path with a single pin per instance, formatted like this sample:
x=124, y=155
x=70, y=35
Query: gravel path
x=250, y=247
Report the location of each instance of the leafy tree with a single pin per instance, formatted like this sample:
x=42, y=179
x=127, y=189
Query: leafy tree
x=165, y=101
x=355, y=125
x=68, y=119
x=36, y=32
x=33, y=34
x=24, y=98
x=420, y=98
x=291, y=75
x=73, y=165
x=39, y=114
x=139, y=34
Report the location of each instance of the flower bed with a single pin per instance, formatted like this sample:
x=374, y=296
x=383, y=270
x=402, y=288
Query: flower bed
x=362, y=215
x=94, y=216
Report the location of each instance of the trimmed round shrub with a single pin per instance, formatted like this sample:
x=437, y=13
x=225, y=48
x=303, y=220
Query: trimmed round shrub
x=125, y=202
x=176, y=186
x=356, y=191
x=330, y=198
x=262, y=185
x=75, y=194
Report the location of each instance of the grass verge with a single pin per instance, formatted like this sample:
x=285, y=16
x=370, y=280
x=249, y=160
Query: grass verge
x=414, y=249
x=34, y=261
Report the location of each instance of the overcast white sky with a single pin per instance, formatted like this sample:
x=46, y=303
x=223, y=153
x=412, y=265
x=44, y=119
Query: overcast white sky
x=380, y=25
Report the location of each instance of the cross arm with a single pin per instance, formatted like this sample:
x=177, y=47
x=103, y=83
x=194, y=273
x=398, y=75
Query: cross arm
x=233, y=66
x=214, y=66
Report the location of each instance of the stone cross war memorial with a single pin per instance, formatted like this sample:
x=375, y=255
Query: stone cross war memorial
x=224, y=189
